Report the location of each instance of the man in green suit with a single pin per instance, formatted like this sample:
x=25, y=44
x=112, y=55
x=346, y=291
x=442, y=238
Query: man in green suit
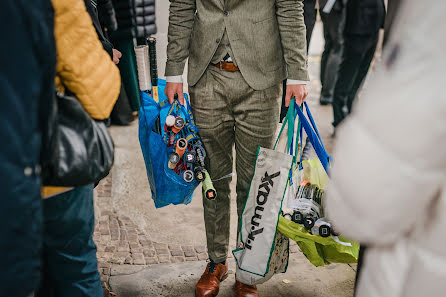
x=239, y=53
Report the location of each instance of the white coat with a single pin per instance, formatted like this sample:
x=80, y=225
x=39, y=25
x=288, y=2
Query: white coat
x=388, y=181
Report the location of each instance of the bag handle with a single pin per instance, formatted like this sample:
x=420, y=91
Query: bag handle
x=313, y=135
x=290, y=120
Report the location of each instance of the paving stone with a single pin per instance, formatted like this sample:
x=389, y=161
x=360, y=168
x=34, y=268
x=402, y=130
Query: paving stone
x=149, y=253
x=151, y=260
x=160, y=245
x=190, y=254
x=194, y=258
x=162, y=251
x=108, y=254
x=202, y=256
x=146, y=243
x=177, y=253
x=104, y=265
x=106, y=271
x=164, y=258
x=136, y=250
x=123, y=246
x=188, y=250
x=177, y=259
x=134, y=245
x=106, y=213
x=138, y=259
x=128, y=260
x=109, y=249
x=105, y=278
x=116, y=261
x=200, y=249
x=105, y=232
x=294, y=249
x=105, y=238
x=122, y=254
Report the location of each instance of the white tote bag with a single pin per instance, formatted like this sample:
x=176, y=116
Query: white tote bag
x=262, y=251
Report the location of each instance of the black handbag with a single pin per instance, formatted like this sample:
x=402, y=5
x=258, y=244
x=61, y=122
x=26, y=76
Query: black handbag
x=77, y=150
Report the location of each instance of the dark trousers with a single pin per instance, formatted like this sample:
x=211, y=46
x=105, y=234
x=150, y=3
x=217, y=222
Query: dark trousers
x=310, y=18
x=359, y=266
x=334, y=23
x=69, y=253
x=357, y=56
x=310, y=14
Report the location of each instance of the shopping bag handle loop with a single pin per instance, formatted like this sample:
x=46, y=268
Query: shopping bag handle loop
x=313, y=135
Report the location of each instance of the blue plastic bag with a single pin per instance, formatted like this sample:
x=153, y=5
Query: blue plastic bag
x=166, y=185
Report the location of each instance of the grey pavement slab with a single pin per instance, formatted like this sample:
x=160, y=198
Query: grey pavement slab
x=174, y=280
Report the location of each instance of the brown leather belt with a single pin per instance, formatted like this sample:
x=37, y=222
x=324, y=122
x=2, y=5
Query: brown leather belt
x=227, y=66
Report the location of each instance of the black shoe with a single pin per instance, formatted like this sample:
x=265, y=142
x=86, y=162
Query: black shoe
x=325, y=100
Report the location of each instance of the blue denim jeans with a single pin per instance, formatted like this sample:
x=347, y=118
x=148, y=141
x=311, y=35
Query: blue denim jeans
x=70, y=264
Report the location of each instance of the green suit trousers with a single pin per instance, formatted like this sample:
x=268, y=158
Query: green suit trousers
x=227, y=112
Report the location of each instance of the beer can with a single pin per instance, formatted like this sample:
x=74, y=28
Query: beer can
x=189, y=157
x=188, y=176
x=297, y=217
x=181, y=146
x=321, y=228
x=173, y=160
x=179, y=124
x=170, y=121
x=199, y=174
x=309, y=221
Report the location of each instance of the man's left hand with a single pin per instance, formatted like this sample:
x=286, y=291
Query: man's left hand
x=299, y=92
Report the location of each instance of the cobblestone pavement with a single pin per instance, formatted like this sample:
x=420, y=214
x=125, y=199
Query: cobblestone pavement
x=120, y=242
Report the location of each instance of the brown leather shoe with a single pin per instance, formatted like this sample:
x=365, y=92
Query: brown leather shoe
x=209, y=283
x=244, y=290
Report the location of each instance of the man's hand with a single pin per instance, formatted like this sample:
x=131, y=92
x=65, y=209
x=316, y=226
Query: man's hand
x=174, y=88
x=116, y=56
x=299, y=92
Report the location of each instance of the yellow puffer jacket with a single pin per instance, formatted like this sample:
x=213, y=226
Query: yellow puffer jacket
x=83, y=66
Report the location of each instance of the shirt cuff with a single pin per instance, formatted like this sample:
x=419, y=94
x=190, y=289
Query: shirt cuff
x=174, y=79
x=296, y=82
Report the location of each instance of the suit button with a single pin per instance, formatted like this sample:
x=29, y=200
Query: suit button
x=217, y=40
x=226, y=13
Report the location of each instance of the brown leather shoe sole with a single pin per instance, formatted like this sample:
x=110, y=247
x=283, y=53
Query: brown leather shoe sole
x=225, y=276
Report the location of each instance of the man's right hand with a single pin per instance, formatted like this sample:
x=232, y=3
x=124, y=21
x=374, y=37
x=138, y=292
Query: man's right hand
x=174, y=88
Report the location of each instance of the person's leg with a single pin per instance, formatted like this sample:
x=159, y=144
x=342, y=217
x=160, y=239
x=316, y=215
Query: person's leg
x=256, y=114
x=214, y=119
x=348, y=70
x=70, y=253
x=215, y=122
x=331, y=58
x=310, y=14
x=364, y=66
x=362, y=251
x=327, y=48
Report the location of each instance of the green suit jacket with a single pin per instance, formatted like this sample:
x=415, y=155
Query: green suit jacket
x=267, y=38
